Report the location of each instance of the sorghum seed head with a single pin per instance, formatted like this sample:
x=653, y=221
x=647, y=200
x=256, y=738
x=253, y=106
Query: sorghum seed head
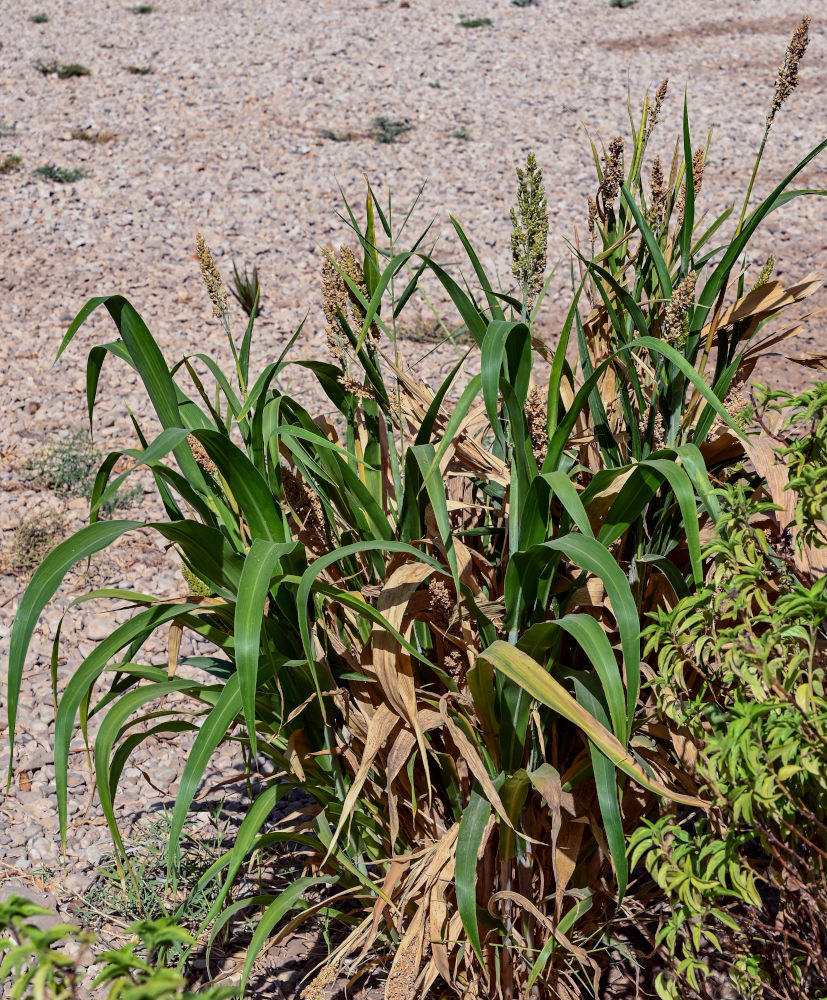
x=766, y=272
x=529, y=232
x=212, y=279
x=674, y=319
x=654, y=112
x=613, y=173
x=787, y=79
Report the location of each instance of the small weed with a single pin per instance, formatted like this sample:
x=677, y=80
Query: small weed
x=140, y=70
x=474, y=22
x=460, y=133
x=10, y=163
x=142, y=8
x=40, y=18
x=63, y=71
x=524, y=3
x=69, y=467
x=61, y=175
x=435, y=84
x=246, y=290
x=6, y=128
x=389, y=129
x=622, y=3
x=34, y=538
x=327, y=133
x=430, y=330
x=83, y=135
x=151, y=896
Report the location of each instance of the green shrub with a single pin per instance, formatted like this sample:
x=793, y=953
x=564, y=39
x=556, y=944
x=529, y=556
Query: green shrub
x=34, y=538
x=69, y=467
x=51, y=962
x=425, y=609
x=84, y=135
x=741, y=671
x=389, y=129
x=9, y=164
x=61, y=175
x=140, y=70
x=63, y=71
x=246, y=290
x=40, y=18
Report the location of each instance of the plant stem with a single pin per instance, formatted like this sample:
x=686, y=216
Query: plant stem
x=752, y=178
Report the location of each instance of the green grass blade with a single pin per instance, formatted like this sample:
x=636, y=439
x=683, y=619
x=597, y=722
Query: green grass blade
x=523, y=670
x=261, y=563
x=41, y=589
x=469, y=838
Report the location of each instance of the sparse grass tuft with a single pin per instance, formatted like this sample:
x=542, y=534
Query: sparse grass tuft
x=140, y=70
x=474, y=22
x=328, y=133
x=435, y=84
x=460, y=133
x=622, y=3
x=142, y=8
x=61, y=175
x=246, y=290
x=150, y=896
x=34, y=538
x=524, y=3
x=389, y=129
x=63, y=71
x=6, y=128
x=40, y=18
x=10, y=163
x=68, y=467
x=83, y=135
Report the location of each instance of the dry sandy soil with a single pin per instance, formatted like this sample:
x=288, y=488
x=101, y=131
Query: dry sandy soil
x=225, y=136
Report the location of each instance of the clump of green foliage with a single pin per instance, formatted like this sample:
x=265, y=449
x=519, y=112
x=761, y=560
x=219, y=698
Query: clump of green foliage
x=9, y=164
x=51, y=962
x=140, y=70
x=151, y=894
x=474, y=22
x=69, y=467
x=742, y=671
x=389, y=129
x=61, y=175
x=40, y=18
x=334, y=136
x=246, y=290
x=84, y=135
x=34, y=538
x=142, y=8
x=63, y=71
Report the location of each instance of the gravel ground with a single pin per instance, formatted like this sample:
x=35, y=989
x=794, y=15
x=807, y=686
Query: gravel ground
x=224, y=136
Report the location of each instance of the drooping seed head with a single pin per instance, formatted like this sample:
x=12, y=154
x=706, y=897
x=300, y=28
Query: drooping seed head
x=536, y=413
x=654, y=111
x=659, y=192
x=204, y=461
x=334, y=302
x=353, y=269
x=673, y=328
x=592, y=218
x=613, y=172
